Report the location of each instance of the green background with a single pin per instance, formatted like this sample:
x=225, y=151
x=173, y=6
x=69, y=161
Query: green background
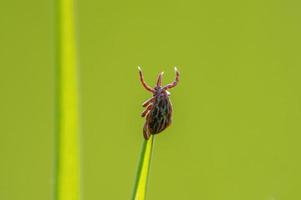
x=237, y=108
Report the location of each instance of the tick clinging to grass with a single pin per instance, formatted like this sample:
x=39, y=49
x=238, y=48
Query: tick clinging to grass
x=158, y=110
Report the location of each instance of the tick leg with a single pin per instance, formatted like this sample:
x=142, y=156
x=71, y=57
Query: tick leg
x=146, y=133
x=146, y=110
x=147, y=102
x=173, y=84
x=159, y=81
x=147, y=87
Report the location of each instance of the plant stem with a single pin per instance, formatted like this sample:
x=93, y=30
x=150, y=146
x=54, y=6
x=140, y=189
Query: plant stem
x=143, y=169
x=67, y=180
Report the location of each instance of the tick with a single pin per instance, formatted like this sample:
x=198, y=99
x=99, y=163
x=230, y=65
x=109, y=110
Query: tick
x=158, y=112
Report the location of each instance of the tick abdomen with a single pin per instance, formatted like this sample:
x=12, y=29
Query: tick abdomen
x=160, y=116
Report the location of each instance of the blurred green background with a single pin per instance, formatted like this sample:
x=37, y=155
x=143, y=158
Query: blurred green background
x=237, y=110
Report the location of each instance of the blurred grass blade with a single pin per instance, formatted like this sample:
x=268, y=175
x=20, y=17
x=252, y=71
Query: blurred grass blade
x=67, y=183
x=143, y=170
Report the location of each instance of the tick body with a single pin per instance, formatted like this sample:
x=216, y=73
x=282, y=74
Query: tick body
x=158, y=111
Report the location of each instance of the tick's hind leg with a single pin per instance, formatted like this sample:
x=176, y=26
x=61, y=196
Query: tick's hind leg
x=146, y=110
x=146, y=133
x=147, y=102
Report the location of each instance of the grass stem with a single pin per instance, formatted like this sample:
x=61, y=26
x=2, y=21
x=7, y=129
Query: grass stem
x=143, y=170
x=67, y=181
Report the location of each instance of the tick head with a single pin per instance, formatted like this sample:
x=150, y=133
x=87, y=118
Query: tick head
x=160, y=91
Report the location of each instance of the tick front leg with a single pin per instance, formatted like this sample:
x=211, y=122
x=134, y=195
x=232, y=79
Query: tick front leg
x=173, y=84
x=159, y=81
x=147, y=102
x=146, y=110
x=147, y=87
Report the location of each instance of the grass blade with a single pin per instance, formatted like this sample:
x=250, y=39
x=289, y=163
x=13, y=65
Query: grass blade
x=143, y=170
x=67, y=183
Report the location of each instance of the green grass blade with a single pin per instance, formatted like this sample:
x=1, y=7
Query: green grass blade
x=143, y=170
x=67, y=180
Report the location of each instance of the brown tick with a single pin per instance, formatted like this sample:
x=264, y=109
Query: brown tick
x=158, y=110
